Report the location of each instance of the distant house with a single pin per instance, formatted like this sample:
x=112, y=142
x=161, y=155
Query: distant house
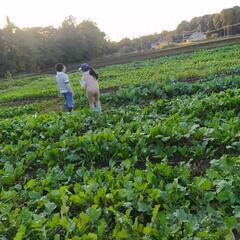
x=155, y=44
x=161, y=41
x=196, y=36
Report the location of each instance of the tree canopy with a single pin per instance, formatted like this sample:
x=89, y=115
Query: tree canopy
x=34, y=49
x=212, y=22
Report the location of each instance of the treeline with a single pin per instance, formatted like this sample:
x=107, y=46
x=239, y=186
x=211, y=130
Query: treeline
x=212, y=23
x=38, y=48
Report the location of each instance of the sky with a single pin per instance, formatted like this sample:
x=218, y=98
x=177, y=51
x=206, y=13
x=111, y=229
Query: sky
x=117, y=18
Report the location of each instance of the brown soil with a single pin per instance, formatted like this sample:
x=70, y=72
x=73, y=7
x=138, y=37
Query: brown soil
x=31, y=100
x=109, y=90
x=191, y=80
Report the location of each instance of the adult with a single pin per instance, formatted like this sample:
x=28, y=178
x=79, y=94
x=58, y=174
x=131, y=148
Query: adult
x=89, y=82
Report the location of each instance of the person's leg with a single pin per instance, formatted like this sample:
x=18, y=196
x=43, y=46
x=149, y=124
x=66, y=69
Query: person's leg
x=65, y=107
x=98, y=107
x=69, y=98
x=91, y=100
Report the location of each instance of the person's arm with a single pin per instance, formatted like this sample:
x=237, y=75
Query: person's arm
x=67, y=83
x=58, y=89
x=83, y=83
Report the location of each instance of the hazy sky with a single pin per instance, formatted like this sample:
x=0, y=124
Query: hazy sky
x=117, y=18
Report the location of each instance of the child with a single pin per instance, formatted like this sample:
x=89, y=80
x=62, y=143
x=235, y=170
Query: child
x=64, y=86
x=89, y=81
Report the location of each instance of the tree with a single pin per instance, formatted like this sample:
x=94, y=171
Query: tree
x=183, y=26
x=217, y=21
x=70, y=40
x=95, y=42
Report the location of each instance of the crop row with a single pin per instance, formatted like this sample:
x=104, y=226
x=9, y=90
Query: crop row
x=200, y=64
x=179, y=131
x=138, y=94
x=158, y=202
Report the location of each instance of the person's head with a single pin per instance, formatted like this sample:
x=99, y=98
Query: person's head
x=86, y=67
x=60, y=67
